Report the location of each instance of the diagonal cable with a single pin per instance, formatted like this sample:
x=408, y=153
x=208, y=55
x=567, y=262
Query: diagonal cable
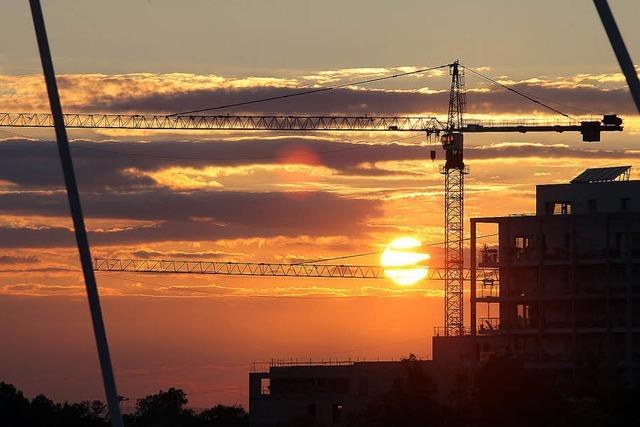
x=517, y=92
x=307, y=92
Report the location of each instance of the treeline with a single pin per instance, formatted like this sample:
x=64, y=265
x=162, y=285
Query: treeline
x=502, y=393
x=164, y=409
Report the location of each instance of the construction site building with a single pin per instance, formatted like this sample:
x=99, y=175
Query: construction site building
x=330, y=393
x=569, y=281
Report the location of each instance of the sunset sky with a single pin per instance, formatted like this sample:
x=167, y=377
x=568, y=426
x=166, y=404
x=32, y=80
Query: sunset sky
x=268, y=197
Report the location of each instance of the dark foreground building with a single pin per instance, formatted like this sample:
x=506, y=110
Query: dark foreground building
x=569, y=280
x=331, y=393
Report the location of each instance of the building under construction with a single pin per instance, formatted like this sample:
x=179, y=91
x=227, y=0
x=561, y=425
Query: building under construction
x=569, y=278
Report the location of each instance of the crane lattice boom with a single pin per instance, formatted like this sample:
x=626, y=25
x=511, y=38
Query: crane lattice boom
x=429, y=125
x=227, y=122
x=266, y=269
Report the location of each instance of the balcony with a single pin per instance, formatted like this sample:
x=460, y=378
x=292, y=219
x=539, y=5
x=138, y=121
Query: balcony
x=440, y=331
x=488, y=325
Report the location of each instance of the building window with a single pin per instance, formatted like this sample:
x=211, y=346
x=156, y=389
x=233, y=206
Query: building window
x=265, y=386
x=635, y=244
x=592, y=206
x=624, y=204
x=336, y=413
x=337, y=385
x=522, y=245
x=620, y=244
x=311, y=410
x=488, y=257
x=562, y=208
x=363, y=387
x=523, y=316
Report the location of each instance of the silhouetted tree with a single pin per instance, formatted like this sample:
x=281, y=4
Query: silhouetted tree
x=506, y=394
x=225, y=416
x=166, y=408
x=410, y=404
x=18, y=411
x=14, y=407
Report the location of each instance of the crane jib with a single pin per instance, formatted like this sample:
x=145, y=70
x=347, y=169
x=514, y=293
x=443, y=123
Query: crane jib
x=268, y=269
x=590, y=130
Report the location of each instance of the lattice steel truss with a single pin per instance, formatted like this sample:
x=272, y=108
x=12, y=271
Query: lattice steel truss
x=429, y=125
x=454, y=171
x=266, y=269
x=228, y=122
x=454, y=260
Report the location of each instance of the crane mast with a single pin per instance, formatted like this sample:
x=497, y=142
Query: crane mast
x=454, y=171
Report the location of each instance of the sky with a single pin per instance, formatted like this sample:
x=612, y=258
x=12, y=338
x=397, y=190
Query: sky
x=269, y=197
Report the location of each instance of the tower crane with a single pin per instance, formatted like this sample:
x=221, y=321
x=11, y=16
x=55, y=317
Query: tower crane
x=454, y=170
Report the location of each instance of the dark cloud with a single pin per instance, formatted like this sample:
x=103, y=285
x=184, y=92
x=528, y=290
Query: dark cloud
x=148, y=253
x=37, y=269
x=110, y=192
x=197, y=216
x=370, y=101
x=10, y=259
x=36, y=164
x=269, y=209
x=524, y=150
x=104, y=165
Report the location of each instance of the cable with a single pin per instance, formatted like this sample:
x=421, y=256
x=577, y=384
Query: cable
x=517, y=92
x=599, y=80
x=378, y=252
x=307, y=92
x=571, y=106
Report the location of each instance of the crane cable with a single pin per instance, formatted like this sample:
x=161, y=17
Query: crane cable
x=308, y=92
x=378, y=252
x=517, y=92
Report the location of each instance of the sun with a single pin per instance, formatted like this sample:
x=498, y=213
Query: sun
x=402, y=263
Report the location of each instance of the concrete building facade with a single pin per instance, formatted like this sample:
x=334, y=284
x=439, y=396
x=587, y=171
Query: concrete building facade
x=569, y=280
x=331, y=393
